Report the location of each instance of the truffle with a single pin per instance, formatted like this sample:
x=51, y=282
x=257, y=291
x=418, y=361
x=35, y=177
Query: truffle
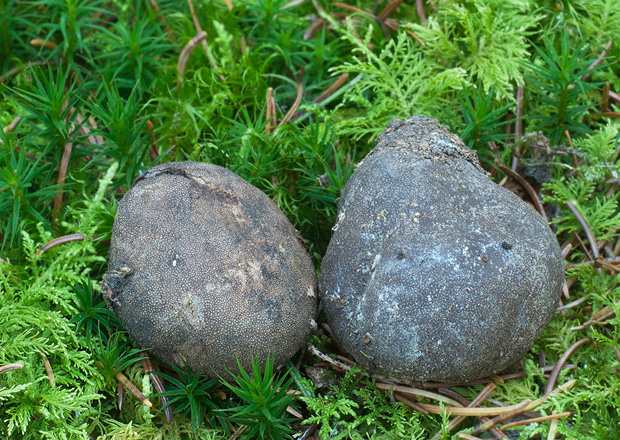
x=204, y=267
x=434, y=272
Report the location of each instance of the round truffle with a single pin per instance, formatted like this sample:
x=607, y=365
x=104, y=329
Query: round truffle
x=434, y=272
x=205, y=268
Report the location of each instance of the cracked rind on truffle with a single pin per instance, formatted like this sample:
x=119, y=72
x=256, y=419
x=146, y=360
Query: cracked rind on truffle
x=434, y=272
x=204, y=267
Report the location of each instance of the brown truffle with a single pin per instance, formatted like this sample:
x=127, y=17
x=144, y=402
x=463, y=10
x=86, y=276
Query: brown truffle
x=434, y=272
x=204, y=267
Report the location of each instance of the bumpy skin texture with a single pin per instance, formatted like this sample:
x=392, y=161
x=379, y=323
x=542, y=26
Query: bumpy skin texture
x=205, y=267
x=434, y=272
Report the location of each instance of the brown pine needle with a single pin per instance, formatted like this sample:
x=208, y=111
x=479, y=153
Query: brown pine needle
x=468, y=437
x=292, y=3
x=410, y=403
x=526, y=185
x=229, y=5
x=86, y=129
x=295, y=106
x=524, y=406
x=62, y=175
x=339, y=365
x=529, y=414
x=583, y=246
x=565, y=387
x=269, y=110
x=605, y=97
x=205, y=47
x=9, y=367
x=15, y=70
x=599, y=59
x=601, y=314
x=475, y=412
x=496, y=378
x=294, y=413
x=37, y=42
x=586, y=228
x=419, y=9
x=354, y=9
x=415, y=37
x=274, y=121
x=570, y=142
x=613, y=95
x=553, y=426
x=500, y=418
x=558, y=366
x=523, y=409
x=60, y=240
x=612, y=115
x=161, y=18
x=48, y=368
x=537, y=420
x=314, y=28
x=409, y=391
x=608, y=265
x=153, y=151
x=518, y=127
x=120, y=394
x=146, y=363
x=186, y=52
x=238, y=432
x=197, y=24
x=133, y=389
x=391, y=7
x=158, y=385
x=332, y=88
x=12, y=125
x=572, y=304
x=504, y=377
x=481, y=397
x=496, y=431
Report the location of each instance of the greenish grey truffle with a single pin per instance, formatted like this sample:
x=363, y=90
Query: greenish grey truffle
x=204, y=267
x=434, y=272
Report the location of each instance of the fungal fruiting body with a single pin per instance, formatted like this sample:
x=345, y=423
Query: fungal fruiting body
x=205, y=268
x=434, y=272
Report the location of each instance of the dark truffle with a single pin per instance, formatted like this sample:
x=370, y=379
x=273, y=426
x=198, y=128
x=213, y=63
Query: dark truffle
x=434, y=272
x=204, y=267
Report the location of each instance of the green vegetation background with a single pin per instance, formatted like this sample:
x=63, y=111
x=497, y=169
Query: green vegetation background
x=102, y=97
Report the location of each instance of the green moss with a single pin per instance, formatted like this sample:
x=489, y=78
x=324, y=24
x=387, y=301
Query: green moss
x=111, y=73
